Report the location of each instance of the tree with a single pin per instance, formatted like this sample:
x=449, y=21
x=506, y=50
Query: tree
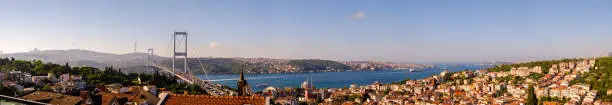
x=7, y=91
x=352, y=97
x=93, y=76
x=47, y=88
x=386, y=92
x=531, y=97
x=403, y=81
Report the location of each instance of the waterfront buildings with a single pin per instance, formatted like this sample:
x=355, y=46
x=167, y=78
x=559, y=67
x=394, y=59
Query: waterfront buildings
x=465, y=87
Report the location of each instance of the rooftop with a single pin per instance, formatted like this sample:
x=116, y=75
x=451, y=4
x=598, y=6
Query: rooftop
x=178, y=99
x=52, y=98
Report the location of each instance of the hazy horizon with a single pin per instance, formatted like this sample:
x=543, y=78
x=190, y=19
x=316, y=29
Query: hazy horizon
x=395, y=30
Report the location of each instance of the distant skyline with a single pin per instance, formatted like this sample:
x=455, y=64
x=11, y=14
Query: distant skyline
x=390, y=30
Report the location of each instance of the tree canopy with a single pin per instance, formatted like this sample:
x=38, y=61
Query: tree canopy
x=94, y=76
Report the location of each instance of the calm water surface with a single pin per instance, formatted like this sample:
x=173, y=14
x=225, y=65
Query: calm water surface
x=333, y=79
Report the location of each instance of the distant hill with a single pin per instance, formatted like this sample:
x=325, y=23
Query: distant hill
x=315, y=64
x=255, y=65
x=136, y=62
x=77, y=57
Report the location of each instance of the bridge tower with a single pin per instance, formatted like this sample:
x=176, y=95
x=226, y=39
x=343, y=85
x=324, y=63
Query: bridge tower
x=150, y=55
x=179, y=54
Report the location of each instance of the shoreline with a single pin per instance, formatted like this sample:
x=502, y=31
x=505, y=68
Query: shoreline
x=332, y=79
x=324, y=71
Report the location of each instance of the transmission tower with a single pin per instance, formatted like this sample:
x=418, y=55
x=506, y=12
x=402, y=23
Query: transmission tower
x=179, y=54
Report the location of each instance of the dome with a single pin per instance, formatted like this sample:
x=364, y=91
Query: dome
x=270, y=88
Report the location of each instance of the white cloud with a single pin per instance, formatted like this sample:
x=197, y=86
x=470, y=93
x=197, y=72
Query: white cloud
x=359, y=15
x=213, y=44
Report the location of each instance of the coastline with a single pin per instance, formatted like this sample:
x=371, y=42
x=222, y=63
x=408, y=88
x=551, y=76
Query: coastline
x=332, y=79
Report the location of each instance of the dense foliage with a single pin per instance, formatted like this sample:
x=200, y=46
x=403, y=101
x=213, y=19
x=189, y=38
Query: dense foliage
x=555, y=99
x=544, y=64
x=95, y=76
x=599, y=78
x=314, y=64
x=8, y=91
x=531, y=97
x=401, y=82
x=535, y=76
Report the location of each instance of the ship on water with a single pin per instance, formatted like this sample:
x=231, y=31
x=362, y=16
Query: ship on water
x=262, y=85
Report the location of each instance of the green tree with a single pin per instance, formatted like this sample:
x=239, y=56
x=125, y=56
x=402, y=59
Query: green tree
x=531, y=97
x=352, y=97
x=402, y=82
x=386, y=92
x=47, y=88
x=8, y=91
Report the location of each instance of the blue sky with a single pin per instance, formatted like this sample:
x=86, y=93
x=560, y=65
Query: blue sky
x=387, y=30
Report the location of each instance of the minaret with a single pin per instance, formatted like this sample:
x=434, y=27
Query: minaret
x=135, y=44
x=306, y=90
x=243, y=87
x=307, y=85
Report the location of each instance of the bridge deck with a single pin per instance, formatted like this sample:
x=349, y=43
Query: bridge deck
x=210, y=87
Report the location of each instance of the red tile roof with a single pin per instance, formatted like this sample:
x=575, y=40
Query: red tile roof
x=52, y=98
x=179, y=99
x=108, y=99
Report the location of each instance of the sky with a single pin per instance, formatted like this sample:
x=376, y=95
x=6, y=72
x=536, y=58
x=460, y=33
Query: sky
x=380, y=30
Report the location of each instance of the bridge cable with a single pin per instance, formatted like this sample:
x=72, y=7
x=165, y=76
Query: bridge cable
x=202, y=66
x=168, y=48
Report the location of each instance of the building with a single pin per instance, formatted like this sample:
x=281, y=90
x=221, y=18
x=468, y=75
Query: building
x=16, y=76
x=180, y=99
x=64, y=77
x=39, y=79
x=116, y=88
x=135, y=96
x=2, y=76
x=270, y=92
x=52, y=98
x=7, y=100
x=243, y=86
x=84, y=95
x=541, y=91
x=151, y=89
x=286, y=101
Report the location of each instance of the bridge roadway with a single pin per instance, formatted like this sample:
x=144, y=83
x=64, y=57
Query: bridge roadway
x=210, y=87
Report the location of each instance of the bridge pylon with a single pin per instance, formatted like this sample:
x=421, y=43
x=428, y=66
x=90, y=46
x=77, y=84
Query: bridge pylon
x=176, y=54
x=150, y=57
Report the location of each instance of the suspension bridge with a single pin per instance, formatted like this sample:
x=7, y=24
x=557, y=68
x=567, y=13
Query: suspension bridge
x=186, y=76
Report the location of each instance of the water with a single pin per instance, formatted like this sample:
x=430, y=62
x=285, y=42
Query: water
x=333, y=79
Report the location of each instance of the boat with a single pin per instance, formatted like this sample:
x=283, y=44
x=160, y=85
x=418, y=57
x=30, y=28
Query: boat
x=261, y=85
x=412, y=70
x=400, y=68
